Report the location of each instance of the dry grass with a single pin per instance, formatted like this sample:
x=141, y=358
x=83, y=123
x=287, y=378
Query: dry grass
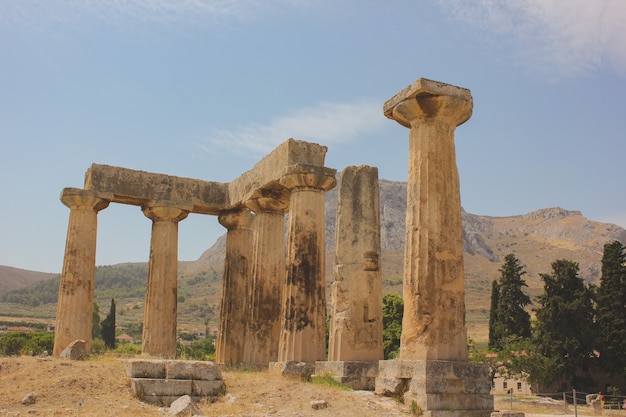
x=102, y=384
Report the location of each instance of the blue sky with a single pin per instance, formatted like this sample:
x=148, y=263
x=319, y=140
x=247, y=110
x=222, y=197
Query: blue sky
x=205, y=88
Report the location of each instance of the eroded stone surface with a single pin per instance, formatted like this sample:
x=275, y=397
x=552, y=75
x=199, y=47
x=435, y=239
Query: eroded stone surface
x=356, y=312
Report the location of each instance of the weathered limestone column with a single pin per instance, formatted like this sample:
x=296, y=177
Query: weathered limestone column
x=356, y=329
x=433, y=327
x=264, y=299
x=303, y=322
x=356, y=324
x=75, y=304
x=237, y=273
x=433, y=371
x=159, y=320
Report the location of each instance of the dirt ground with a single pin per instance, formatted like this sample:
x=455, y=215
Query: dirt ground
x=102, y=387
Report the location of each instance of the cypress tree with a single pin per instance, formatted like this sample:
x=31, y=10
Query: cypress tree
x=611, y=309
x=108, y=327
x=495, y=336
x=512, y=316
x=565, y=331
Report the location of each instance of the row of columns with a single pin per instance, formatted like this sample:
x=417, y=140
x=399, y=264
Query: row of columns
x=273, y=307
x=273, y=300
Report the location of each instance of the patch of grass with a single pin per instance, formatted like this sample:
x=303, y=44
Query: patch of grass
x=328, y=380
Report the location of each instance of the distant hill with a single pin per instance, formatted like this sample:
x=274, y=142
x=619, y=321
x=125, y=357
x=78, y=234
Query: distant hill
x=537, y=239
x=13, y=278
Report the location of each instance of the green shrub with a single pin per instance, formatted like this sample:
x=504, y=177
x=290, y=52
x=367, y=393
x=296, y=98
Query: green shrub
x=21, y=343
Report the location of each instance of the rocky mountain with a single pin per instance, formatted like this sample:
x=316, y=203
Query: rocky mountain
x=13, y=278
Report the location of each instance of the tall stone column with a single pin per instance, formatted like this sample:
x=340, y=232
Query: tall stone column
x=75, y=304
x=433, y=327
x=433, y=371
x=356, y=327
x=159, y=320
x=303, y=322
x=237, y=272
x=264, y=299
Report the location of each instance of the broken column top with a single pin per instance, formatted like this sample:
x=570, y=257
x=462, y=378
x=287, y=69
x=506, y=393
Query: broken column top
x=426, y=87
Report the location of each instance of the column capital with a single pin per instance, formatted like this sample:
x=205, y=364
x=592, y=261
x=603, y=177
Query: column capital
x=308, y=176
x=273, y=200
x=164, y=211
x=430, y=101
x=238, y=218
x=77, y=198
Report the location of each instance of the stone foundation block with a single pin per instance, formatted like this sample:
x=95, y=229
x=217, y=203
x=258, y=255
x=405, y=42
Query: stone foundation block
x=144, y=368
x=207, y=388
x=293, y=369
x=196, y=370
x=438, y=387
x=148, y=387
x=358, y=375
x=507, y=414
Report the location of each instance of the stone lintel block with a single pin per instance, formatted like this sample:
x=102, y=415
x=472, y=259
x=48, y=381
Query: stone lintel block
x=425, y=86
x=266, y=172
x=196, y=370
x=293, y=369
x=144, y=368
x=147, y=387
x=135, y=187
x=207, y=388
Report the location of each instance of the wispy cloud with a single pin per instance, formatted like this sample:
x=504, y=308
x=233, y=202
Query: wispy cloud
x=326, y=123
x=563, y=37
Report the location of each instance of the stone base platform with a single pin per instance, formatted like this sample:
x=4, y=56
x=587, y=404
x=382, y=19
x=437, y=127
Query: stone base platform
x=438, y=388
x=358, y=375
x=161, y=382
x=293, y=369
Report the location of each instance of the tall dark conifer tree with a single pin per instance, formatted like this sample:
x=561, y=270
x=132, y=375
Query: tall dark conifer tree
x=508, y=318
x=611, y=309
x=108, y=327
x=565, y=331
x=495, y=335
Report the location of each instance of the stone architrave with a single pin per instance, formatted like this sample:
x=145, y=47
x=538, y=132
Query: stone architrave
x=356, y=326
x=75, y=304
x=264, y=299
x=303, y=321
x=433, y=371
x=433, y=326
x=159, y=321
x=237, y=272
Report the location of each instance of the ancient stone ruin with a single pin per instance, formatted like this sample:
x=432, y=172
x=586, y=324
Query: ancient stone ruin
x=273, y=307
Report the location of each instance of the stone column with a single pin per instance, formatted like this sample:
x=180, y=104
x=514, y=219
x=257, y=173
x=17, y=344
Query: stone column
x=75, y=304
x=303, y=322
x=433, y=372
x=264, y=299
x=433, y=327
x=237, y=271
x=159, y=319
x=356, y=328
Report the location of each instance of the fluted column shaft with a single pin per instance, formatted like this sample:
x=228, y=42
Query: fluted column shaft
x=303, y=322
x=264, y=297
x=237, y=271
x=159, y=320
x=433, y=327
x=75, y=303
